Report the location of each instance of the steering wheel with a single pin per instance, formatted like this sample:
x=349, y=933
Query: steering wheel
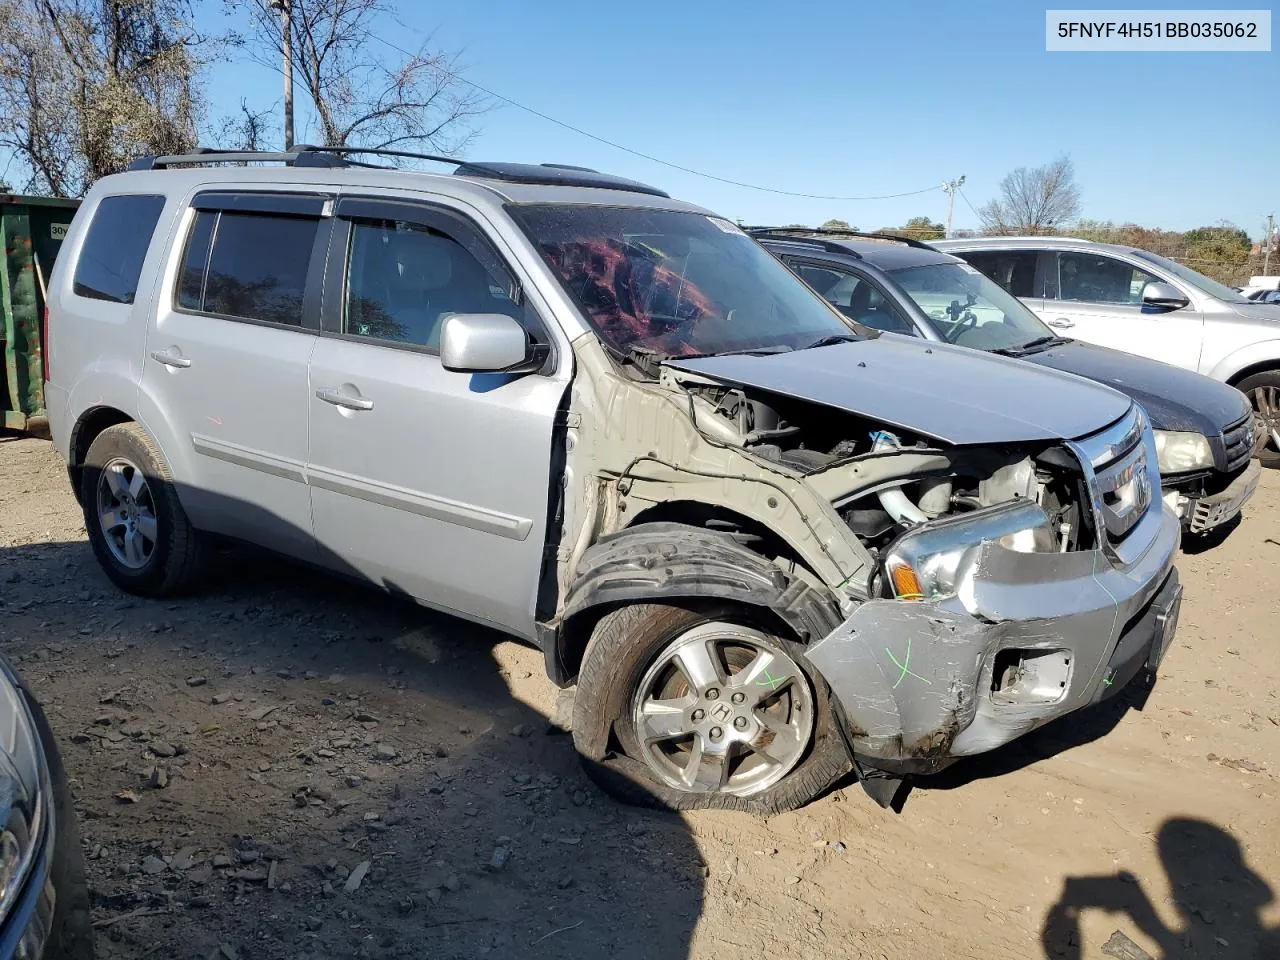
x=966, y=320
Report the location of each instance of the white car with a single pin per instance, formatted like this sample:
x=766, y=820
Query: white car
x=1144, y=303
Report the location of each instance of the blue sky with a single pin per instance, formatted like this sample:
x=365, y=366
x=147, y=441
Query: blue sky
x=852, y=99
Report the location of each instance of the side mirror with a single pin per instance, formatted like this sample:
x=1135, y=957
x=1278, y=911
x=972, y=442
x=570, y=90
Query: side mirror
x=1158, y=294
x=487, y=343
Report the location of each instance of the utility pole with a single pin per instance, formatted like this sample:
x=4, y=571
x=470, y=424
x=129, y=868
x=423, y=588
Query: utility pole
x=951, y=186
x=286, y=34
x=1268, y=242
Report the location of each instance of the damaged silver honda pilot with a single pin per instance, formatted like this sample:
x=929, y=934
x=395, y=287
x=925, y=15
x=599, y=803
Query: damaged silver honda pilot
x=765, y=546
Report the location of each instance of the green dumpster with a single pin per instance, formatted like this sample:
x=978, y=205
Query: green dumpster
x=31, y=232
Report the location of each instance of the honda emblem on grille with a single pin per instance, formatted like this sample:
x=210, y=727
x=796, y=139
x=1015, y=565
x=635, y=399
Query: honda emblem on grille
x=1126, y=494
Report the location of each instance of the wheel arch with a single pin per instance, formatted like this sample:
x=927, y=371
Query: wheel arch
x=87, y=428
x=663, y=559
x=1265, y=366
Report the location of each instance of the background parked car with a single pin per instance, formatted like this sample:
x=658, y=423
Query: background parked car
x=908, y=287
x=44, y=900
x=1143, y=303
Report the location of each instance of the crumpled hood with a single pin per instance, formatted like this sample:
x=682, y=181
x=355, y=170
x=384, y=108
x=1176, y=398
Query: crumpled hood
x=1174, y=398
x=953, y=394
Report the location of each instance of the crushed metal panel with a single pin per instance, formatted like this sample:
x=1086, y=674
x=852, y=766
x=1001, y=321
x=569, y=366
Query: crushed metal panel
x=954, y=394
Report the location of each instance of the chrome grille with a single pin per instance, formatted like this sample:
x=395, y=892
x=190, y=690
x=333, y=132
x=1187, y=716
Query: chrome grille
x=1238, y=440
x=1120, y=476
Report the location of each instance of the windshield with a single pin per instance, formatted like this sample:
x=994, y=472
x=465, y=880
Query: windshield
x=967, y=307
x=678, y=284
x=1212, y=287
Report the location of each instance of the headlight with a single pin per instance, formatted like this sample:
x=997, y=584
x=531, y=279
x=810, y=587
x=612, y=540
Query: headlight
x=931, y=564
x=1180, y=452
x=24, y=794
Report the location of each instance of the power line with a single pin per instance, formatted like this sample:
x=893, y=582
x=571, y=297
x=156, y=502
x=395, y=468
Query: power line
x=646, y=156
x=969, y=205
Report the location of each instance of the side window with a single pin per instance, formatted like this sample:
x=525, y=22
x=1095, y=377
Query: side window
x=248, y=265
x=856, y=297
x=1013, y=270
x=404, y=279
x=116, y=244
x=1089, y=278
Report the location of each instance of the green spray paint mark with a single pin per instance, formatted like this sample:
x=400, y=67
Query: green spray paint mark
x=770, y=681
x=904, y=666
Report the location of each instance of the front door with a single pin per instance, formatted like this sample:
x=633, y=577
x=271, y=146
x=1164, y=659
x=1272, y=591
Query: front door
x=430, y=483
x=1098, y=298
x=226, y=364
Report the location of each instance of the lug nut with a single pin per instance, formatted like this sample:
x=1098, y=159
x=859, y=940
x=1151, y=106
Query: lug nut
x=738, y=697
x=698, y=715
x=740, y=723
x=716, y=733
x=713, y=694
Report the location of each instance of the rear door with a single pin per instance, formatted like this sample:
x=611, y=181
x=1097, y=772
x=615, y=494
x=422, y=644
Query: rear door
x=1098, y=298
x=226, y=362
x=430, y=483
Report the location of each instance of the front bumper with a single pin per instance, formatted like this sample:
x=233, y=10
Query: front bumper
x=1037, y=636
x=1201, y=512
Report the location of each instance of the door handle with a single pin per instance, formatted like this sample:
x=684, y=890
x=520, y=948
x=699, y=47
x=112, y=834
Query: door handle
x=170, y=357
x=1062, y=323
x=344, y=400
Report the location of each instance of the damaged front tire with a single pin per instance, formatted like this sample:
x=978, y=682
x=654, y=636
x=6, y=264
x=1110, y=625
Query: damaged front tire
x=687, y=707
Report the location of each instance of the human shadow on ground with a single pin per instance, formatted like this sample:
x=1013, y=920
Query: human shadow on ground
x=1217, y=895
x=488, y=839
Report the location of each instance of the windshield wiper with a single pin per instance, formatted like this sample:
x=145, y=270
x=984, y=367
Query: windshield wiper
x=1031, y=346
x=831, y=339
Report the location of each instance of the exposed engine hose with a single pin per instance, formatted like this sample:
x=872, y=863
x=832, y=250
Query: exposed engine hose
x=894, y=501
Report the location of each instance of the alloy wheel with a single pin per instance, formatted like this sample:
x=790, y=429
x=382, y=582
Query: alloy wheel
x=725, y=709
x=1266, y=416
x=127, y=513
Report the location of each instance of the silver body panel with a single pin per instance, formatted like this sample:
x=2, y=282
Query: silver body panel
x=1208, y=335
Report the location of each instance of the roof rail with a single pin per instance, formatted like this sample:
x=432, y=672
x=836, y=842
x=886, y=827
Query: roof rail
x=792, y=233
x=768, y=233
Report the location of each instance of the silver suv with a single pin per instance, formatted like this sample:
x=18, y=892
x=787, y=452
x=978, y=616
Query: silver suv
x=765, y=543
x=1144, y=303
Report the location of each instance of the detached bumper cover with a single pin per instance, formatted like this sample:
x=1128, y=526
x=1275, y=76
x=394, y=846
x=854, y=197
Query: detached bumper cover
x=1200, y=513
x=917, y=680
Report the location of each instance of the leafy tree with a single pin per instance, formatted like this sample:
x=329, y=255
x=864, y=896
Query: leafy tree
x=834, y=224
x=1033, y=201
x=88, y=85
x=917, y=228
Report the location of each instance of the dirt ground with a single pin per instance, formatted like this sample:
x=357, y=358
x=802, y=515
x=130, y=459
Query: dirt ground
x=286, y=766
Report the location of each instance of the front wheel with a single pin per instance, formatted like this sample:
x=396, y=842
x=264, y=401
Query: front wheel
x=1263, y=391
x=686, y=708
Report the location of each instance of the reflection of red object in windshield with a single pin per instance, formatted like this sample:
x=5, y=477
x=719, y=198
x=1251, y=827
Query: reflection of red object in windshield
x=630, y=298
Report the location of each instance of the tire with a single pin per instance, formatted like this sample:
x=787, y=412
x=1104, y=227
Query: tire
x=1263, y=391
x=630, y=654
x=124, y=459
x=71, y=933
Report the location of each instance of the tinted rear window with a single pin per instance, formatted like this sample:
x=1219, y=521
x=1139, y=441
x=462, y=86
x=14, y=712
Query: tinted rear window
x=111, y=257
x=256, y=267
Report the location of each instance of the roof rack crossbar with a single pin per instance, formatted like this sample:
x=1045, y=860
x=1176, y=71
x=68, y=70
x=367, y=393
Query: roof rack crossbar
x=792, y=232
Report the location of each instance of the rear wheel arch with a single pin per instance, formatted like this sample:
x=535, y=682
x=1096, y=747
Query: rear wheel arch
x=87, y=428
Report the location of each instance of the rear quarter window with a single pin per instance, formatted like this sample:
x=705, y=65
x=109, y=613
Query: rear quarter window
x=110, y=261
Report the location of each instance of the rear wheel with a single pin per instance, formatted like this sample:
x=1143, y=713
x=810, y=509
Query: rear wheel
x=1263, y=391
x=138, y=529
x=687, y=708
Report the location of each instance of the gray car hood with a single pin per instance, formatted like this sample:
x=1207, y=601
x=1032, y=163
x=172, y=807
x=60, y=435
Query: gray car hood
x=1257, y=311
x=953, y=394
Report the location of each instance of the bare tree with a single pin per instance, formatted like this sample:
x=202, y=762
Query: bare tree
x=363, y=91
x=1033, y=201
x=87, y=85
x=246, y=130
